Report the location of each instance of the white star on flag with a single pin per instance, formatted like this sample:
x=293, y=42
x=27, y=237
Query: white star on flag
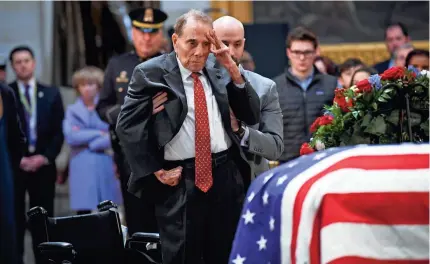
x=272, y=223
x=251, y=196
x=281, y=180
x=239, y=259
x=266, y=198
x=320, y=156
x=267, y=178
x=292, y=164
x=262, y=243
x=249, y=217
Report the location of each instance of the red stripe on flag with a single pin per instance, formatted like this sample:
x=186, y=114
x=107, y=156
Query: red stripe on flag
x=368, y=208
x=367, y=162
x=376, y=208
x=354, y=260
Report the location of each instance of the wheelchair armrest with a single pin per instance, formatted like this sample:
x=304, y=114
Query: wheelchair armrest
x=106, y=205
x=57, y=252
x=146, y=237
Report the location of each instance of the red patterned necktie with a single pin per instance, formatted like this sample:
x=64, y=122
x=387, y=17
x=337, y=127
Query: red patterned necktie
x=203, y=158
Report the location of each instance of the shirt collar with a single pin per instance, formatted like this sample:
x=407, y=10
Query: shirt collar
x=184, y=71
x=32, y=83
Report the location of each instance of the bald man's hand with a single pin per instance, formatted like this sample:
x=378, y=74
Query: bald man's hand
x=222, y=54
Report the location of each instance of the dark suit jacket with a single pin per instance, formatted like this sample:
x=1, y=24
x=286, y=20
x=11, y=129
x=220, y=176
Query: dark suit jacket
x=143, y=136
x=382, y=66
x=15, y=134
x=50, y=115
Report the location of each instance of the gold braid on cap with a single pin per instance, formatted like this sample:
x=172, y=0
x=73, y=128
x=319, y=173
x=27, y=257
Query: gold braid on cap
x=146, y=25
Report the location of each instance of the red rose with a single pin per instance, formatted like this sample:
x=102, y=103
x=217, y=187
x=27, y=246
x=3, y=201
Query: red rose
x=326, y=120
x=315, y=125
x=321, y=121
x=341, y=101
x=306, y=149
x=364, y=86
x=393, y=73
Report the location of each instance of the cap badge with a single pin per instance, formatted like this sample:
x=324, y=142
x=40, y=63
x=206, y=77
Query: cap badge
x=122, y=77
x=149, y=15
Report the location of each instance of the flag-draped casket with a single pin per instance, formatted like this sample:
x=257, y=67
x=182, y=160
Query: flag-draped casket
x=360, y=204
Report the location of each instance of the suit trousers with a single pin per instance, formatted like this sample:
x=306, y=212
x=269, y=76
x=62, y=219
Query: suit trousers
x=197, y=227
x=41, y=191
x=139, y=213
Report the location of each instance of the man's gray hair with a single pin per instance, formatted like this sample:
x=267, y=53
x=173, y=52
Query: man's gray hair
x=407, y=45
x=192, y=14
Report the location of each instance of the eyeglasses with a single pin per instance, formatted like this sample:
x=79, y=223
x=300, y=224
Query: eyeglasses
x=305, y=53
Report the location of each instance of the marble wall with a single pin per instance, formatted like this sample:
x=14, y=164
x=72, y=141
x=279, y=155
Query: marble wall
x=28, y=23
x=347, y=21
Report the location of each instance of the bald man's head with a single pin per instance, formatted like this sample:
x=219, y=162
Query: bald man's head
x=230, y=31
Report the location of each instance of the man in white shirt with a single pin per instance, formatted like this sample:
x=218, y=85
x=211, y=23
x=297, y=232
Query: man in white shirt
x=263, y=141
x=187, y=158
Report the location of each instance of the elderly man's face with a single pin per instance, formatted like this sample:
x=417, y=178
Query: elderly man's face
x=192, y=46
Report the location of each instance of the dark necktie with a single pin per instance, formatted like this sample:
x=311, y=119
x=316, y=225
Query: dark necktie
x=27, y=94
x=203, y=158
x=27, y=111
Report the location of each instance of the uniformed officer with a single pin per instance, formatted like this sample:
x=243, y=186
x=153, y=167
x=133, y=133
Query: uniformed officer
x=147, y=36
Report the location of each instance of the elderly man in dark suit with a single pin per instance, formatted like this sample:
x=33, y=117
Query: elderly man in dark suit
x=188, y=158
x=263, y=141
x=41, y=111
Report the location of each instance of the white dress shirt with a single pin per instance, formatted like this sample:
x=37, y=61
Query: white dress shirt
x=33, y=117
x=182, y=145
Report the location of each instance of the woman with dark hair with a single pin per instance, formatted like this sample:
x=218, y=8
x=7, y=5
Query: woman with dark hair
x=361, y=74
x=418, y=59
x=326, y=65
x=12, y=146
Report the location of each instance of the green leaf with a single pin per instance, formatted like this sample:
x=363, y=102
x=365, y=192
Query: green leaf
x=377, y=126
x=415, y=119
x=375, y=106
x=358, y=139
x=385, y=96
x=425, y=127
x=393, y=118
x=366, y=120
x=355, y=114
x=389, y=90
x=381, y=99
x=367, y=97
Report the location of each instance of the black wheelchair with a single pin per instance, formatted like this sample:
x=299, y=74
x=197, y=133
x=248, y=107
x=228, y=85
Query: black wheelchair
x=89, y=239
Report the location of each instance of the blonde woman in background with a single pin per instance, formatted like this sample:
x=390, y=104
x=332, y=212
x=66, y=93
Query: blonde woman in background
x=91, y=168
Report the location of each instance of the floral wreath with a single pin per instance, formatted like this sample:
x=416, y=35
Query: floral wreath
x=392, y=107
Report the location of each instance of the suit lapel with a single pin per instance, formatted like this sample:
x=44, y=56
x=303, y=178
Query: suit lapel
x=173, y=80
x=40, y=105
x=218, y=89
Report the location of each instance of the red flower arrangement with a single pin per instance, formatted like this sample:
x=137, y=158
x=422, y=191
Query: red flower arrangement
x=306, y=149
x=393, y=73
x=340, y=100
x=370, y=113
x=364, y=86
x=321, y=121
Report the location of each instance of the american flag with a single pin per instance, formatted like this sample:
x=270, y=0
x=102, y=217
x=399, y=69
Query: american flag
x=361, y=204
